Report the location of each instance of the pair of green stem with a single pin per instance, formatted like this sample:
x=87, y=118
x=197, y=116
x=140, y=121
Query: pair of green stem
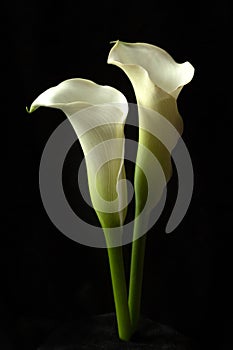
x=128, y=306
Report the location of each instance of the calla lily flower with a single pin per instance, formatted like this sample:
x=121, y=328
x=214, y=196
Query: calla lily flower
x=97, y=114
x=157, y=81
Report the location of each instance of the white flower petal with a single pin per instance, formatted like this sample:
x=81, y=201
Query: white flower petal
x=75, y=94
x=159, y=65
x=157, y=81
x=97, y=114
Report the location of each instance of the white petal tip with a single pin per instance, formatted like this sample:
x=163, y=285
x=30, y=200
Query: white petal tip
x=114, y=42
x=189, y=69
x=31, y=109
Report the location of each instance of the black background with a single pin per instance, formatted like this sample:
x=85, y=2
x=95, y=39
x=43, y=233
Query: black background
x=49, y=279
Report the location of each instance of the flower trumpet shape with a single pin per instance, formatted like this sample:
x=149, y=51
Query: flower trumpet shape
x=97, y=114
x=157, y=81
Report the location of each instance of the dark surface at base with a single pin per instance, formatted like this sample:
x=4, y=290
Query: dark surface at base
x=100, y=332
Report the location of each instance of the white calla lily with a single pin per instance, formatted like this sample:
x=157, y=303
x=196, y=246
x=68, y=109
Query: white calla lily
x=97, y=114
x=157, y=81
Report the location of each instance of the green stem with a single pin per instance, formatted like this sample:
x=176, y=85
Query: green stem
x=136, y=272
x=138, y=246
x=116, y=263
